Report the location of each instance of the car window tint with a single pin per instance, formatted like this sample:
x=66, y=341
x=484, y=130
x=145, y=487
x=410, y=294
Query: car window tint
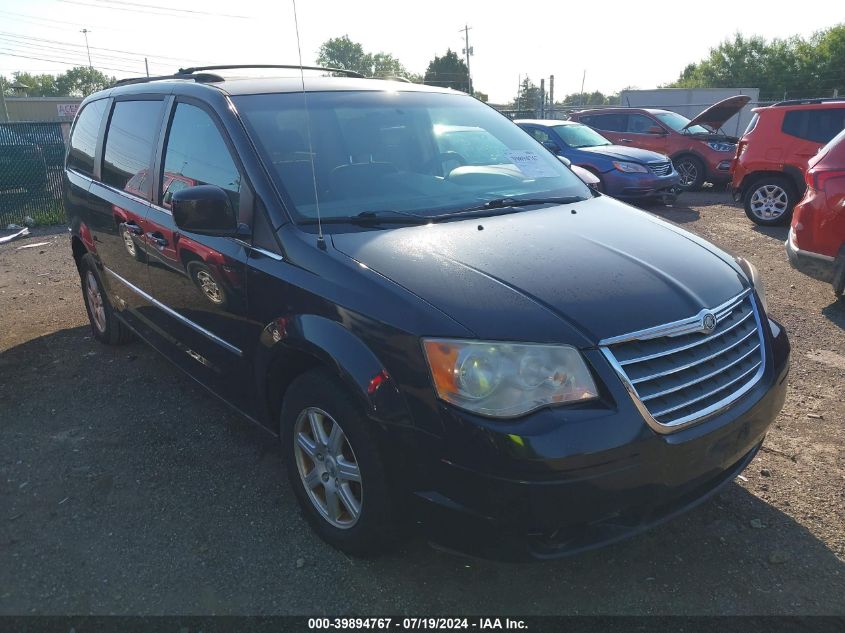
x=639, y=123
x=130, y=139
x=196, y=154
x=83, y=141
x=819, y=125
x=609, y=122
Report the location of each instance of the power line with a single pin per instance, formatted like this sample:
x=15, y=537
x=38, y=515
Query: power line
x=66, y=63
x=153, y=6
x=164, y=11
x=27, y=47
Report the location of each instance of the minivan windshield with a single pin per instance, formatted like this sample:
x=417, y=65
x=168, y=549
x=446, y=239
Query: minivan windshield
x=678, y=121
x=420, y=153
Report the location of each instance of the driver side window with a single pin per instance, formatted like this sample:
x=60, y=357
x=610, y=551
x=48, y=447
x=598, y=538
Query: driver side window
x=196, y=154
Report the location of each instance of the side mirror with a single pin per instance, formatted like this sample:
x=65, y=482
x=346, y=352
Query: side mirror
x=553, y=147
x=204, y=209
x=565, y=161
x=656, y=129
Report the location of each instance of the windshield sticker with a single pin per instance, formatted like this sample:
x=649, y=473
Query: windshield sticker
x=529, y=163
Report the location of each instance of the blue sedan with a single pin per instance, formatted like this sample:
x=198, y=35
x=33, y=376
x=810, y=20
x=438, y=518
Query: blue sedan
x=627, y=173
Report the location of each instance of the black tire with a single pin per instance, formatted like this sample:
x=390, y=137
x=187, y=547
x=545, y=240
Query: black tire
x=838, y=282
x=692, y=172
x=207, y=283
x=132, y=247
x=775, y=193
x=374, y=530
x=105, y=325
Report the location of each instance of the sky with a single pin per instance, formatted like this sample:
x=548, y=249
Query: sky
x=617, y=43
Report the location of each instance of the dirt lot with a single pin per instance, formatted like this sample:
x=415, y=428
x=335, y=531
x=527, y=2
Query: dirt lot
x=126, y=489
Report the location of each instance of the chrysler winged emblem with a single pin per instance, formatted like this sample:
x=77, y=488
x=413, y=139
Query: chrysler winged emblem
x=708, y=323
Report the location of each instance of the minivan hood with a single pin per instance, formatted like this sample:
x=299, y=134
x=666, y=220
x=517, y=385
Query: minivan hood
x=620, y=152
x=715, y=116
x=600, y=266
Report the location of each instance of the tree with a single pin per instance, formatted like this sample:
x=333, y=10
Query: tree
x=341, y=52
x=448, y=71
x=588, y=98
x=797, y=66
x=43, y=85
x=528, y=97
x=76, y=82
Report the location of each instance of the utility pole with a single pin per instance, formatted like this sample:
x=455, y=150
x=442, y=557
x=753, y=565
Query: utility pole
x=85, y=32
x=583, y=78
x=543, y=98
x=518, y=91
x=468, y=52
x=147, y=66
x=4, y=112
x=552, y=97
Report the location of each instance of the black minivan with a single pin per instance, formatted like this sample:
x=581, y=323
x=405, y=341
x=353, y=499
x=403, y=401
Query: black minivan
x=463, y=337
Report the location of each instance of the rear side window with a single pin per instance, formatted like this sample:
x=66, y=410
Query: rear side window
x=196, y=154
x=83, y=141
x=818, y=126
x=609, y=122
x=130, y=140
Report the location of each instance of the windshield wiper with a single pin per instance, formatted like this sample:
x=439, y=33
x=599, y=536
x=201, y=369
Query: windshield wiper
x=509, y=203
x=369, y=218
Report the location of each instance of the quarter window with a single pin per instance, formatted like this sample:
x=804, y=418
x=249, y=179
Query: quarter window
x=819, y=125
x=196, y=154
x=83, y=141
x=133, y=130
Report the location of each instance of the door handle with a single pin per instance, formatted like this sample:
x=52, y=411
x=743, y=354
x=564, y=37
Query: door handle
x=626, y=140
x=158, y=240
x=133, y=228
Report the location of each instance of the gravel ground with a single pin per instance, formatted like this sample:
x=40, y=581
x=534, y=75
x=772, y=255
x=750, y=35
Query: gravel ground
x=126, y=489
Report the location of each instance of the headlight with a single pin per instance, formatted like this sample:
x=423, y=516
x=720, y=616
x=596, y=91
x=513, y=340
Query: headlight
x=506, y=380
x=756, y=280
x=630, y=168
x=722, y=147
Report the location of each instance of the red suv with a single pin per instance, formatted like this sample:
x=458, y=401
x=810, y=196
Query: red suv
x=771, y=158
x=697, y=149
x=816, y=244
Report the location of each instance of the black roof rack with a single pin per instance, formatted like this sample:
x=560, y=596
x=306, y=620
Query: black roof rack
x=195, y=69
x=200, y=74
x=807, y=101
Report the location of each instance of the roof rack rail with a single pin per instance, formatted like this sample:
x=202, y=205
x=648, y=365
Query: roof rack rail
x=195, y=69
x=808, y=101
x=201, y=77
x=395, y=78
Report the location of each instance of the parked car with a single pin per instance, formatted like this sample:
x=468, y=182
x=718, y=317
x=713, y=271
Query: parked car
x=699, y=151
x=482, y=346
x=627, y=173
x=771, y=157
x=816, y=243
x=21, y=162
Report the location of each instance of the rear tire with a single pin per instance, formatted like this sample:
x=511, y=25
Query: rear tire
x=105, y=325
x=334, y=465
x=769, y=200
x=691, y=171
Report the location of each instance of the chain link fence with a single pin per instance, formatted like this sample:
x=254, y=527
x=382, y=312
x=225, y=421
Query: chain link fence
x=31, y=160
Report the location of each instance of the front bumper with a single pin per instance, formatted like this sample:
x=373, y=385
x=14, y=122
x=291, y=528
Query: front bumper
x=815, y=265
x=561, y=506
x=641, y=186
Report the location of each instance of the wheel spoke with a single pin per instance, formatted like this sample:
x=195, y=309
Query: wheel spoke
x=307, y=445
x=332, y=503
x=312, y=479
x=317, y=430
x=335, y=440
x=348, y=470
x=349, y=500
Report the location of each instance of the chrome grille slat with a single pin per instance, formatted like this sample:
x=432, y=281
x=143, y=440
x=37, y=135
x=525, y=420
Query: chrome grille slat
x=684, y=405
x=686, y=347
x=662, y=168
x=666, y=392
x=677, y=375
x=675, y=370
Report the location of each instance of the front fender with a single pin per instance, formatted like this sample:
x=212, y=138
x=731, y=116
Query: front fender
x=284, y=340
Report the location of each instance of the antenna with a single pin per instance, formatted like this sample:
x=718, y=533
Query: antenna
x=321, y=241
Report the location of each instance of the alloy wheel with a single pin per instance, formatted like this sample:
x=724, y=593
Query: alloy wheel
x=769, y=202
x=95, y=301
x=328, y=467
x=129, y=243
x=688, y=171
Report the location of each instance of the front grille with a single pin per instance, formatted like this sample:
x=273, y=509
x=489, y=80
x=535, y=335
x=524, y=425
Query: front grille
x=661, y=168
x=680, y=375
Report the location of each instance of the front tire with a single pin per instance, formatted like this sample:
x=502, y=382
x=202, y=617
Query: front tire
x=334, y=465
x=769, y=201
x=691, y=170
x=105, y=325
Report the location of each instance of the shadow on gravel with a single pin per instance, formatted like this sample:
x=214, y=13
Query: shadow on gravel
x=778, y=233
x=835, y=313
x=127, y=489
x=677, y=213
